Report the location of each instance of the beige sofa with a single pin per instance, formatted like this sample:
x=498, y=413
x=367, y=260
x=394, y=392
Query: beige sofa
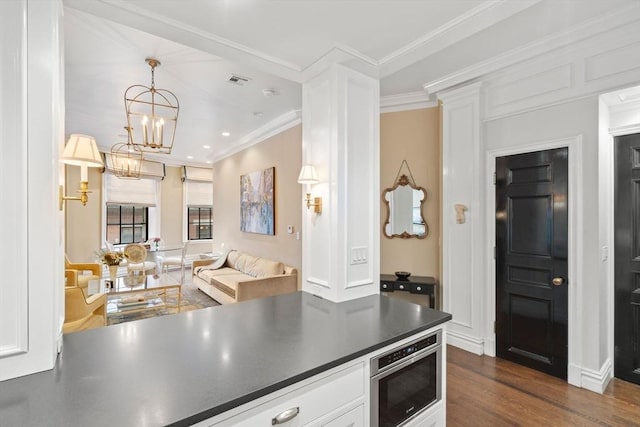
x=238, y=276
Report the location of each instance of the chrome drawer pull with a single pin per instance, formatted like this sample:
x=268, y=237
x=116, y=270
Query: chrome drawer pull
x=285, y=416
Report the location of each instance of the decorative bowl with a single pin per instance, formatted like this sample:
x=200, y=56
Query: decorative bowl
x=402, y=275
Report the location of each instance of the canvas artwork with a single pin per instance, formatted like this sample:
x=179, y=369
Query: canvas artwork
x=257, y=202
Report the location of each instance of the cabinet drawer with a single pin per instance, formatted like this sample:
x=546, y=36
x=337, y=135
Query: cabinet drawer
x=353, y=418
x=386, y=286
x=420, y=288
x=402, y=286
x=313, y=400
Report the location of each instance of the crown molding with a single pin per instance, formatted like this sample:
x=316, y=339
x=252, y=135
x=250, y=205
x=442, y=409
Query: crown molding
x=405, y=102
x=575, y=34
x=274, y=127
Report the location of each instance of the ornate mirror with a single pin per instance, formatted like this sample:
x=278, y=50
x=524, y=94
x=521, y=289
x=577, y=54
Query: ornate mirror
x=404, y=208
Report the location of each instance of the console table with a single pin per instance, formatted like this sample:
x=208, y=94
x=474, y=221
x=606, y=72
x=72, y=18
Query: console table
x=425, y=285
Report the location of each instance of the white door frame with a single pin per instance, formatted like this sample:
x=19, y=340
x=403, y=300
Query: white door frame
x=575, y=221
x=606, y=175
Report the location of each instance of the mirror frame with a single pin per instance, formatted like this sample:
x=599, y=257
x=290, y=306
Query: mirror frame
x=404, y=181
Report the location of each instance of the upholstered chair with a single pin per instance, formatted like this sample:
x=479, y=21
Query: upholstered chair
x=81, y=312
x=77, y=272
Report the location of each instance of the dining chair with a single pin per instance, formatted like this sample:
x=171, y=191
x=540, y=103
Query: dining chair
x=165, y=263
x=136, y=255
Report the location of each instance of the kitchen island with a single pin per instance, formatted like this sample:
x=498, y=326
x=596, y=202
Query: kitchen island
x=185, y=368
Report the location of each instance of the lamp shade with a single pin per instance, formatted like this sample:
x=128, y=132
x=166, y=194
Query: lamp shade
x=81, y=150
x=308, y=175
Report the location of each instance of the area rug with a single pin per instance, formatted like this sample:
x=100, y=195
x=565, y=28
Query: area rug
x=192, y=299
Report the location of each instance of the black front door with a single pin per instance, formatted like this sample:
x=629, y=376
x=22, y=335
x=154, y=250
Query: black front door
x=627, y=258
x=531, y=260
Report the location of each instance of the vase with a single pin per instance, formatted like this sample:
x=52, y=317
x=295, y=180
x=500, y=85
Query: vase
x=113, y=271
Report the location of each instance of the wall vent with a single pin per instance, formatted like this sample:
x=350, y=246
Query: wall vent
x=238, y=80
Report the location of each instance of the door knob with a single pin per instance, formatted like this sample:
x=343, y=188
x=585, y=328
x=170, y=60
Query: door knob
x=557, y=281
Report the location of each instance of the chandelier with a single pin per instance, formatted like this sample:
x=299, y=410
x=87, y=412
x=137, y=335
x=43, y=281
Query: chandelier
x=126, y=161
x=152, y=115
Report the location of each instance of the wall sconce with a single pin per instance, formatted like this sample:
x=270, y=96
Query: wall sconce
x=308, y=176
x=81, y=150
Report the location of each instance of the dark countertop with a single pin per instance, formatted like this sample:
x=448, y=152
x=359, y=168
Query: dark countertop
x=184, y=368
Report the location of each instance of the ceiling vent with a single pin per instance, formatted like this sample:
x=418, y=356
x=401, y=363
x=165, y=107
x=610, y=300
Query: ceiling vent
x=238, y=80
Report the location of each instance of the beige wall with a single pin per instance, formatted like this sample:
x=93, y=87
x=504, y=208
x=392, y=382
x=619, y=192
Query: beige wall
x=412, y=136
x=82, y=228
x=171, y=215
x=284, y=151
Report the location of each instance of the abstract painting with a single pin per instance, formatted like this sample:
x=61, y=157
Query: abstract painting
x=257, y=202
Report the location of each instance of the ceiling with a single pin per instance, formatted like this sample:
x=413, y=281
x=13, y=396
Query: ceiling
x=410, y=45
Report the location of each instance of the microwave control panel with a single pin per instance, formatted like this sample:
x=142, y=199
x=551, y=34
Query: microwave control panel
x=407, y=351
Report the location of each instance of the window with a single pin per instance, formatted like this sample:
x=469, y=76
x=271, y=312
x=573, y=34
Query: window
x=199, y=224
x=127, y=224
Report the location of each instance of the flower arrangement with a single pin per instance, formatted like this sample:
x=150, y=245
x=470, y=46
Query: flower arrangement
x=154, y=241
x=108, y=257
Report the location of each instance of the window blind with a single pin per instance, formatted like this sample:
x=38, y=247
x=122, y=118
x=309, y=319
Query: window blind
x=198, y=193
x=192, y=173
x=139, y=192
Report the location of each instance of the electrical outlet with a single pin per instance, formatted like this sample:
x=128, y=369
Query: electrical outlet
x=290, y=229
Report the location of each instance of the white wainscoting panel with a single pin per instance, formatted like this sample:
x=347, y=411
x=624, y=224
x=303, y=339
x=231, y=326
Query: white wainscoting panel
x=605, y=61
x=13, y=180
x=32, y=114
x=462, y=243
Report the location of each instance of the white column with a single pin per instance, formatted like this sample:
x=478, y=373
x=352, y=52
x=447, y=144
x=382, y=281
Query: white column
x=31, y=132
x=462, y=244
x=340, y=133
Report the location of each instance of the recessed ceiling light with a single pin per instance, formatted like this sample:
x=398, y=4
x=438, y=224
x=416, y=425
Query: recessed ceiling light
x=206, y=146
x=258, y=113
x=209, y=162
x=189, y=157
x=270, y=92
x=225, y=134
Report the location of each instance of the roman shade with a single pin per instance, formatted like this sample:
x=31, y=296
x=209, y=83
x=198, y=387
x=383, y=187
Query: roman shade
x=192, y=173
x=198, y=193
x=139, y=192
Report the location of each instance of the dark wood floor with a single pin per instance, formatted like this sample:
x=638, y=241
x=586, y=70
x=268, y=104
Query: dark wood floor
x=487, y=391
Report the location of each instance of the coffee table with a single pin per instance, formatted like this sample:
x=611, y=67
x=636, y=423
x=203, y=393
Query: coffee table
x=141, y=292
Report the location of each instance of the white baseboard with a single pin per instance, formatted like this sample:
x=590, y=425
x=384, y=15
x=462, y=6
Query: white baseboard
x=597, y=381
x=490, y=347
x=465, y=342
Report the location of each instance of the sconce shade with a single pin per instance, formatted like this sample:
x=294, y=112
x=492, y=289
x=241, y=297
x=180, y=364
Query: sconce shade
x=152, y=115
x=308, y=175
x=81, y=150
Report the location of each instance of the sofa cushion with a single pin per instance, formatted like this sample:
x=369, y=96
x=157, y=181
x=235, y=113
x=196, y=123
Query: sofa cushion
x=262, y=267
x=207, y=273
x=228, y=283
